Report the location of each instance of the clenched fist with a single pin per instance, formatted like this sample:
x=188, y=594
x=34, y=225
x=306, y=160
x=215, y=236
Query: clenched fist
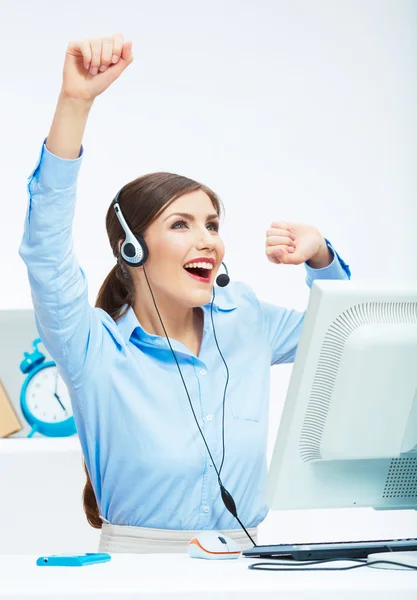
x=91, y=65
x=296, y=243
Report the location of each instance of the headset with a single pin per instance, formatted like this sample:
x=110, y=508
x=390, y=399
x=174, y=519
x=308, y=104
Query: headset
x=134, y=252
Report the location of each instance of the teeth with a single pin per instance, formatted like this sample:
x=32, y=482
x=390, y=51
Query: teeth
x=199, y=265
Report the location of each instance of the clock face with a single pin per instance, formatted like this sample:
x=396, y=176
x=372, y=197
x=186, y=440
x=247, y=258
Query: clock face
x=47, y=396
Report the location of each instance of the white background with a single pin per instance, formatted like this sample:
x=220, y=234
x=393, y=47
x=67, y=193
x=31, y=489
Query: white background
x=297, y=110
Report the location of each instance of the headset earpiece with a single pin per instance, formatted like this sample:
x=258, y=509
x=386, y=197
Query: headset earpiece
x=134, y=250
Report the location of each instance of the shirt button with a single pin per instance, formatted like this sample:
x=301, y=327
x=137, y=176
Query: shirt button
x=203, y=372
x=209, y=417
x=206, y=509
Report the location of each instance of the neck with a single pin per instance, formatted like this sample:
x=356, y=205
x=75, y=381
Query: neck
x=181, y=323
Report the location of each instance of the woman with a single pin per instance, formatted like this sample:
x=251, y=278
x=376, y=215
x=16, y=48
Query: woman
x=170, y=391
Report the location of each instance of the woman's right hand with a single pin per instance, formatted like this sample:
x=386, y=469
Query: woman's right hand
x=91, y=65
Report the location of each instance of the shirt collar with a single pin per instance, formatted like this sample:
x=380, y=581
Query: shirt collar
x=129, y=322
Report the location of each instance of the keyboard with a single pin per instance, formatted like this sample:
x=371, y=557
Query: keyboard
x=324, y=550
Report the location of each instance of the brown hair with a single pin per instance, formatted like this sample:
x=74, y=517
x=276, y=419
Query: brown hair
x=141, y=201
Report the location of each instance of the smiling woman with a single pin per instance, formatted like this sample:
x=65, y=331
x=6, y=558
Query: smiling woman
x=161, y=338
x=191, y=246
x=151, y=206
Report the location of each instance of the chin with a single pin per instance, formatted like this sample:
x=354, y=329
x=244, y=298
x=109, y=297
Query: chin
x=200, y=298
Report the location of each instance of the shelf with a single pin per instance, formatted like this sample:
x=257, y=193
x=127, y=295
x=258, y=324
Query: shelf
x=15, y=445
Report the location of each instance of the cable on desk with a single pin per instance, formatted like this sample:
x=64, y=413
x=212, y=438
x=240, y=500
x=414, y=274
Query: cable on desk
x=262, y=566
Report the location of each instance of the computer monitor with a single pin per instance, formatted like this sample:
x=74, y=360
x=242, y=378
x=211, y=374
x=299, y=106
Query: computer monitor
x=348, y=432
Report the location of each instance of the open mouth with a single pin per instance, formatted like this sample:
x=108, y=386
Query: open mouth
x=200, y=273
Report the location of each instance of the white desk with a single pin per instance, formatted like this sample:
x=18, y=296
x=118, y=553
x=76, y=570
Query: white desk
x=177, y=576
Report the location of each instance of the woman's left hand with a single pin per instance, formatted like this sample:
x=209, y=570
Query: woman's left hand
x=296, y=243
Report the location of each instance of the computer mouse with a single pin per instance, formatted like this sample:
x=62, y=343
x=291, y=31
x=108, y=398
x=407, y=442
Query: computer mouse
x=213, y=545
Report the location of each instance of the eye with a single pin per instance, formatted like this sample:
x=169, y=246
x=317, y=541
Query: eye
x=178, y=225
x=214, y=225
x=174, y=226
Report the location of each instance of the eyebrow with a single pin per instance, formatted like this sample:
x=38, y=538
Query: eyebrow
x=191, y=217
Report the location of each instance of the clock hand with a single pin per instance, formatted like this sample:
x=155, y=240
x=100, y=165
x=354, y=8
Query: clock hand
x=62, y=406
x=55, y=392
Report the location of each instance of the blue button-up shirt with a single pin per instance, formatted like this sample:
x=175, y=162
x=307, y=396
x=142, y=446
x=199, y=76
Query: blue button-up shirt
x=147, y=461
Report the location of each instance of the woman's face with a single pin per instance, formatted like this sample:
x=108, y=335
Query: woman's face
x=187, y=232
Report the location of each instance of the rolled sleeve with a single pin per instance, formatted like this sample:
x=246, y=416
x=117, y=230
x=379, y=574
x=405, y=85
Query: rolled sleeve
x=337, y=269
x=57, y=173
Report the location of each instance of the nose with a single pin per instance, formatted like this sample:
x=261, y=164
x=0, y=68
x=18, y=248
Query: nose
x=204, y=239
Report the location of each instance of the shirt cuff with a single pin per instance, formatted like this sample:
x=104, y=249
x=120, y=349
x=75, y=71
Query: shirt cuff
x=56, y=172
x=337, y=269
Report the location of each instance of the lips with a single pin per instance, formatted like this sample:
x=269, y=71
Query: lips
x=197, y=271
x=200, y=259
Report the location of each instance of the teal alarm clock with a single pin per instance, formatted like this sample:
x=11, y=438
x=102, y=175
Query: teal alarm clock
x=44, y=399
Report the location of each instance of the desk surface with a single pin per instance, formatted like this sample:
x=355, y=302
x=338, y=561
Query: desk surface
x=175, y=576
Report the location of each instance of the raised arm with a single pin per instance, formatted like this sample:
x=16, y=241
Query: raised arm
x=283, y=325
x=68, y=125
x=69, y=327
